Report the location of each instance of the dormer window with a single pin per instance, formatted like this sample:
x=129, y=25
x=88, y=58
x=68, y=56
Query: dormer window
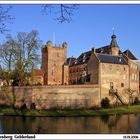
x=102, y=50
x=120, y=60
x=84, y=57
x=75, y=62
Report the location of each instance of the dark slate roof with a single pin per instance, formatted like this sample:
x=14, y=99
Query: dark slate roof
x=130, y=55
x=83, y=58
x=105, y=50
x=105, y=58
x=70, y=60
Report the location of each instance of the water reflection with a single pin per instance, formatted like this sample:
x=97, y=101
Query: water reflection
x=43, y=125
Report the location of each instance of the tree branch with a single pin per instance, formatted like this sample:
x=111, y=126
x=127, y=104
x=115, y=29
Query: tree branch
x=64, y=11
x=5, y=18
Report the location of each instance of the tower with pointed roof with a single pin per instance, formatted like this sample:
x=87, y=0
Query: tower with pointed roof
x=114, y=46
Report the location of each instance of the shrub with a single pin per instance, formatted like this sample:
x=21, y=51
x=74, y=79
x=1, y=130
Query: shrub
x=33, y=106
x=23, y=107
x=136, y=101
x=105, y=103
x=8, y=111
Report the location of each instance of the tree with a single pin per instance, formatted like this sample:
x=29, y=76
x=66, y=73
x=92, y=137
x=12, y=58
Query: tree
x=136, y=101
x=1, y=72
x=5, y=18
x=105, y=103
x=26, y=54
x=7, y=53
x=64, y=11
x=20, y=55
x=7, y=57
x=130, y=93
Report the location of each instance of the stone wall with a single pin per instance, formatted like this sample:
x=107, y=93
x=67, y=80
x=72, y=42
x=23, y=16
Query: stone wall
x=50, y=97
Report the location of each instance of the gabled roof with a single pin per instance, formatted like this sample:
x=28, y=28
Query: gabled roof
x=106, y=58
x=130, y=55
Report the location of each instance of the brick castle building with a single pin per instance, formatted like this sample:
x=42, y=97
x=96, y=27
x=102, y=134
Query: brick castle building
x=54, y=64
x=107, y=66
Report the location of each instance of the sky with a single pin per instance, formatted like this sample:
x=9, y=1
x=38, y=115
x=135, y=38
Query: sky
x=91, y=26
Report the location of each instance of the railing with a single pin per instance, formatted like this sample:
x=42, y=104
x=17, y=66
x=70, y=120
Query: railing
x=115, y=92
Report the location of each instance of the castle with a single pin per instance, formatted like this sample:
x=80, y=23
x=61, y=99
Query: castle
x=107, y=66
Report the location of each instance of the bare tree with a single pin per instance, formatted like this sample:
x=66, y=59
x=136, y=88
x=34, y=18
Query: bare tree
x=5, y=18
x=64, y=12
x=20, y=54
x=7, y=58
x=27, y=53
x=7, y=53
x=130, y=93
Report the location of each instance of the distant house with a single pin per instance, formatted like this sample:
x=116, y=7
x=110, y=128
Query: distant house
x=38, y=77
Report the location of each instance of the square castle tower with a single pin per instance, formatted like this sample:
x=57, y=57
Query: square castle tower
x=54, y=64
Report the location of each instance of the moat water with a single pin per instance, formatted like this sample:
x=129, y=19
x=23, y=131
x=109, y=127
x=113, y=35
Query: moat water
x=71, y=125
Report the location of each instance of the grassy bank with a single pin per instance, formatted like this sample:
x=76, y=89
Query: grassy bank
x=70, y=113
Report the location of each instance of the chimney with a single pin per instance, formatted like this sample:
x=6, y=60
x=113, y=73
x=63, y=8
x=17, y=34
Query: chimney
x=93, y=50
